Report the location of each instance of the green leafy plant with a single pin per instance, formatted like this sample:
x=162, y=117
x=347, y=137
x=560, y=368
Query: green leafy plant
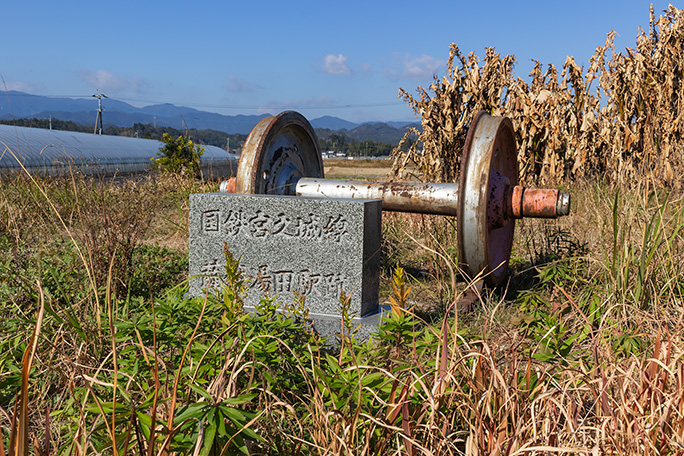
x=348, y=330
x=154, y=269
x=219, y=424
x=178, y=156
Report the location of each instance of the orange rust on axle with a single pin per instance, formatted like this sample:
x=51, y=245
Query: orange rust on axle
x=533, y=202
x=230, y=185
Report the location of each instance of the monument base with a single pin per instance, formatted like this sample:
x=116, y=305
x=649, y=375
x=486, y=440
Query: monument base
x=330, y=326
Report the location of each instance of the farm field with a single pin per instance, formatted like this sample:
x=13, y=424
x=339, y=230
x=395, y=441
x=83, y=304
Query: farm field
x=357, y=169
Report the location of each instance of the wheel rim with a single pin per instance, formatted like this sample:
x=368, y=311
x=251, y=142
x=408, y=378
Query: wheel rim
x=278, y=151
x=488, y=165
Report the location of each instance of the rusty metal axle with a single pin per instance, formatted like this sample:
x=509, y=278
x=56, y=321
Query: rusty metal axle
x=515, y=202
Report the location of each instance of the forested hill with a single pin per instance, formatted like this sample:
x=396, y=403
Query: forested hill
x=366, y=139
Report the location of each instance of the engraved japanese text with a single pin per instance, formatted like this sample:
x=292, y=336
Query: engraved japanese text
x=260, y=224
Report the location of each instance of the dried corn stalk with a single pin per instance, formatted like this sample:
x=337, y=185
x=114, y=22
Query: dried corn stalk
x=630, y=126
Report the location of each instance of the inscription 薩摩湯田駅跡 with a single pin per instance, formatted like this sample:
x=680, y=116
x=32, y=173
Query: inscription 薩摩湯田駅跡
x=303, y=282
x=271, y=282
x=260, y=224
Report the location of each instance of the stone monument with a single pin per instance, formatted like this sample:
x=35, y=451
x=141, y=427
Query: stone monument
x=290, y=248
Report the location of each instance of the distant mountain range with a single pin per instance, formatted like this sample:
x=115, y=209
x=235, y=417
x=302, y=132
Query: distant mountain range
x=16, y=105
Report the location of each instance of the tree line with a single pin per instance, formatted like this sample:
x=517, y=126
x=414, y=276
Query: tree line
x=339, y=142
x=327, y=140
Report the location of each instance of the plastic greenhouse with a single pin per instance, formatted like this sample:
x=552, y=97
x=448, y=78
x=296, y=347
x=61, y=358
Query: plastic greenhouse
x=52, y=152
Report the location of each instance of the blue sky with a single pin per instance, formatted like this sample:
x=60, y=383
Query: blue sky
x=341, y=58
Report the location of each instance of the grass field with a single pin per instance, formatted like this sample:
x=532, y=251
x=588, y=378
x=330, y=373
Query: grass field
x=101, y=352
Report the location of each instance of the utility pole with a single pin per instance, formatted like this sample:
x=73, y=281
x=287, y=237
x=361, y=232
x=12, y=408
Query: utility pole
x=99, y=97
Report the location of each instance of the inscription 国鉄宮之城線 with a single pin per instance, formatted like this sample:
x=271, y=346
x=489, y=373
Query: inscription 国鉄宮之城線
x=261, y=224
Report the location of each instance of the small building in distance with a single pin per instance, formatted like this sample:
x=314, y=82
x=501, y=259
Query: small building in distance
x=333, y=154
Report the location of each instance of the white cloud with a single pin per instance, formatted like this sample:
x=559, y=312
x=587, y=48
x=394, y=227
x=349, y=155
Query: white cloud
x=105, y=81
x=235, y=84
x=336, y=64
x=419, y=68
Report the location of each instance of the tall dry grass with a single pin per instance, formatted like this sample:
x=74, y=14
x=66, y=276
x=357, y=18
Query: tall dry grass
x=77, y=249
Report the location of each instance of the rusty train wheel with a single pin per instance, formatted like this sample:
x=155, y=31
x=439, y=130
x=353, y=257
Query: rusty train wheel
x=488, y=165
x=278, y=151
